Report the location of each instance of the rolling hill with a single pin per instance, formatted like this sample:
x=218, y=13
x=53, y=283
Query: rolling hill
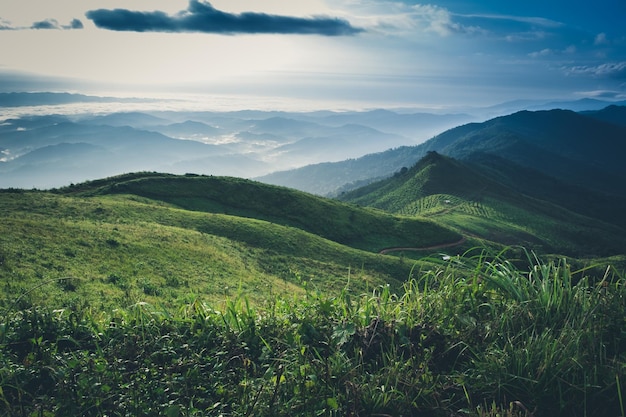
x=348, y=225
x=170, y=239
x=152, y=293
x=487, y=204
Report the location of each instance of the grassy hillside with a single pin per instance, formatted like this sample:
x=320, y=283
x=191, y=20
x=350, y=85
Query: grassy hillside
x=609, y=208
x=460, y=196
x=167, y=240
x=152, y=294
x=349, y=225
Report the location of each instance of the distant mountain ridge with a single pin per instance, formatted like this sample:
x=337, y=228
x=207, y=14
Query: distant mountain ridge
x=561, y=143
x=612, y=114
x=366, y=145
x=241, y=143
x=582, y=149
x=19, y=99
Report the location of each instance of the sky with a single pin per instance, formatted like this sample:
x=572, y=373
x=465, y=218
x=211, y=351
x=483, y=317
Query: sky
x=434, y=53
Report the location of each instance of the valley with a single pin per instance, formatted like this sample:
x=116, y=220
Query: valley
x=74, y=145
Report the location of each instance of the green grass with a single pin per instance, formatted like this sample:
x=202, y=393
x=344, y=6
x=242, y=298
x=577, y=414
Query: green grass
x=156, y=303
x=112, y=251
x=472, y=336
x=458, y=196
x=546, y=228
x=349, y=225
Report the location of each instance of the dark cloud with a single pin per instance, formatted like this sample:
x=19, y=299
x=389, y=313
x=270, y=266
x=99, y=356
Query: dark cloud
x=74, y=24
x=46, y=24
x=53, y=24
x=202, y=17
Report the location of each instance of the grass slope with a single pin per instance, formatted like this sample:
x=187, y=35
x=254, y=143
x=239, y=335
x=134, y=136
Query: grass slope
x=459, y=196
x=345, y=224
x=91, y=246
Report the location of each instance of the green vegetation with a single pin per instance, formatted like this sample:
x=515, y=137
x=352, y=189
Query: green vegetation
x=473, y=336
x=464, y=198
x=151, y=294
x=112, y=251
x=346, y=224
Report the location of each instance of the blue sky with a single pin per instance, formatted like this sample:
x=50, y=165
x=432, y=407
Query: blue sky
x=359, y=52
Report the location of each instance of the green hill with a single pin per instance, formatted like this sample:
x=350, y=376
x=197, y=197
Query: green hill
x=348, y=225
x=167, y=239
x=464, y=197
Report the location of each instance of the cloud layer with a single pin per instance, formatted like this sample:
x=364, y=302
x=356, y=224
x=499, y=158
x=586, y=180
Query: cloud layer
x=203, y=17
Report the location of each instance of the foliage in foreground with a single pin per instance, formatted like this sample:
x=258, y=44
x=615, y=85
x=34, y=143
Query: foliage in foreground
x=474, y=336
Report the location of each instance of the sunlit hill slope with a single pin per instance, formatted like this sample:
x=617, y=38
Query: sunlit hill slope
x=143, y=237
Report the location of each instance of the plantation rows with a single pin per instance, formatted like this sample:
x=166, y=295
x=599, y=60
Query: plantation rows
x=474, y=336
x=437, y=204
x=431, y=204
x=478, y=209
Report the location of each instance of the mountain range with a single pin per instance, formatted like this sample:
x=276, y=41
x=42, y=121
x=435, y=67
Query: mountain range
x=55, y=150
x=550, y=180
x=583, y=149
x=74, y=137
x=19, y=99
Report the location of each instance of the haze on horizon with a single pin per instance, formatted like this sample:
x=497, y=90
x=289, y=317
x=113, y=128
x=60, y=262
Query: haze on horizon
x=384, y=53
